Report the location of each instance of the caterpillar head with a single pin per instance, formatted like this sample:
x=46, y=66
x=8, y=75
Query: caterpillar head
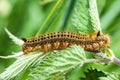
x=105, y=38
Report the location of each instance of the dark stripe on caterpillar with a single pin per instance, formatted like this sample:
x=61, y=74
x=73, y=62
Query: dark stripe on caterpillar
x=61, y=40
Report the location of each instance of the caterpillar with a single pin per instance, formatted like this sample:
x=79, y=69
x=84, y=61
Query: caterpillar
x=61, y=40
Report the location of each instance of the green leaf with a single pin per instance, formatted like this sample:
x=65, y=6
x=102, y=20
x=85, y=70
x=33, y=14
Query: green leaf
x=55, y=66
x=93, y=74
x=94, y=15
x=85, y=17
x=14, y=38
x=111, y=76
x=20, y=65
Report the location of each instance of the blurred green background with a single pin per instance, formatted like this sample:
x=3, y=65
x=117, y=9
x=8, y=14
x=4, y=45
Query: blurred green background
x=23, y=18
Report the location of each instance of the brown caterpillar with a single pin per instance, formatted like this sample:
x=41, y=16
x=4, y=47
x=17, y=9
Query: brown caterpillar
x=61, y=40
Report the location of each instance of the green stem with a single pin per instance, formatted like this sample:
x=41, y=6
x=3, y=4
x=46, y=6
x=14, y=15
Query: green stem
x=50, y=17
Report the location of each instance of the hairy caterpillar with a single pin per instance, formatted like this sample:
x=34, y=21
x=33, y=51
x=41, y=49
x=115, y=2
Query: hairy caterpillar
x=62, y=40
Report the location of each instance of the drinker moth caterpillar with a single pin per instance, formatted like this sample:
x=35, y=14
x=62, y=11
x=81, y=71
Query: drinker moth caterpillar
x=61, y=40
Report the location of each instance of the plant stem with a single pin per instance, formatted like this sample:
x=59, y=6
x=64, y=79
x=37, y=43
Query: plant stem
x=50, y=17
x=97, y=60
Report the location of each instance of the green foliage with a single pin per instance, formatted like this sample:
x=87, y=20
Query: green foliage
x=93, y=74
x=24, y=19
x=50, y=17
x=22, y=63
x=111, y=76
x=85, y=17
x=58, y=65
x=107, y=18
